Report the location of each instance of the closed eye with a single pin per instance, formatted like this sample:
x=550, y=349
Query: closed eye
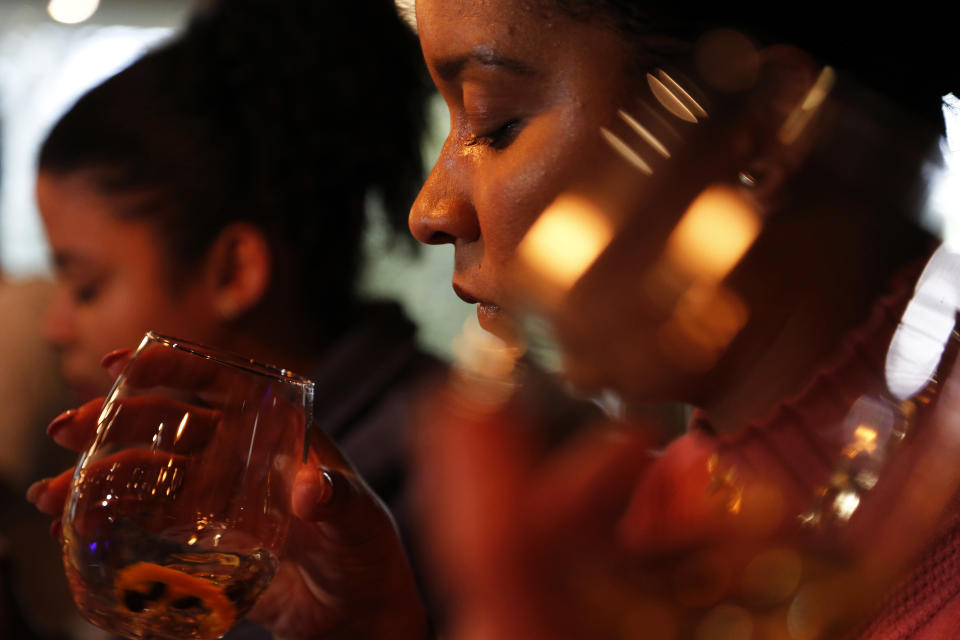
x=499, y=138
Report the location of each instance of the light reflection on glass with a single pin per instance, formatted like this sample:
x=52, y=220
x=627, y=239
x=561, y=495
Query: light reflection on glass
x=644, y=133
x=669, y=100
x=563, y=243
x=864, y=441
x=713, y=234
x=628, y=153
x=798, y=120
x=183, y=424
x=705, y=320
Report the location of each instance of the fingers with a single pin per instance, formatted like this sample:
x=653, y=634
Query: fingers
x=75, y=429
x=312, y=493
x=341, y=503
x=166, y=424
x=50, y=494
x=115, y=361
x=158, y=364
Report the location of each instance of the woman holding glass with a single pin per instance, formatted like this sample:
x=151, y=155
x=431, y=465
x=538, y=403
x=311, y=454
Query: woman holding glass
x=719, y=205
x=215, y=191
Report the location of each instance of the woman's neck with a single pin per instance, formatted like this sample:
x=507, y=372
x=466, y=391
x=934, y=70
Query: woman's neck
x=808, y=285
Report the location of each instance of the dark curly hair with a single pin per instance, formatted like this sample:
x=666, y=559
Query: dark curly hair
x=282, y=113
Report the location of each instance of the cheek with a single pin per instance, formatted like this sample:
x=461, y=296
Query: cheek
x=512, y=188
x=121, y=316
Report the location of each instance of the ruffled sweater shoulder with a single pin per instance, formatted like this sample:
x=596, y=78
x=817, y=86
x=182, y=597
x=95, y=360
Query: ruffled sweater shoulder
x=796, y=449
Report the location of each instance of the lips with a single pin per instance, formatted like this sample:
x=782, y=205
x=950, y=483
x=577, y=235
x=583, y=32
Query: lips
x=489, y=315
x=464, y=295
x=484, y=306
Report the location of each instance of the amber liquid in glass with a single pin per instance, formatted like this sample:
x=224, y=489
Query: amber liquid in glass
x=137, y=570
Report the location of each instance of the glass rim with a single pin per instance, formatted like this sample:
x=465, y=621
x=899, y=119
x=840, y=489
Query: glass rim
x=228, y=358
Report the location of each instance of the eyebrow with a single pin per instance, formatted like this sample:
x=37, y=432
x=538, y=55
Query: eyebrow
x=450, y=68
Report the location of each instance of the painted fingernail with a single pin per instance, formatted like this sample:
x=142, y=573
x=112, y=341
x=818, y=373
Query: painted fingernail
x=56, y=529
x=111, y=359
x=60, y=422
x=36, y=490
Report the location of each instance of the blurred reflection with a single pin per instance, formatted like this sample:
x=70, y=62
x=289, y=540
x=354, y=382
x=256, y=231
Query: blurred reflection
x=727, y=60
x=801, y=116
x=644, y=133
x=675, y=98
x=713, y=235
x=628, y=153
x=562, y=245
x=926, y=325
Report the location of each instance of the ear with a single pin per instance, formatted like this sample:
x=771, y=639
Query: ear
x=238, y=269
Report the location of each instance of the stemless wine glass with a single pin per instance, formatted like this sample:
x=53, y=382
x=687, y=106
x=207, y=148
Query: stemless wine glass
x=179, y=508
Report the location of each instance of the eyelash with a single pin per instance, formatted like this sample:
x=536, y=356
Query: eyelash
x=498, y=139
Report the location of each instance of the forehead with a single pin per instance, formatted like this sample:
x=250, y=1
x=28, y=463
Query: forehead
x=531, y=28
x=80, y=219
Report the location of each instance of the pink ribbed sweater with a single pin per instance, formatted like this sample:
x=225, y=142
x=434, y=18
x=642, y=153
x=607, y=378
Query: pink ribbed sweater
x=797, y=448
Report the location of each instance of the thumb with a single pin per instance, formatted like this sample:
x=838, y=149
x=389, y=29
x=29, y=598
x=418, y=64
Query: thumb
x=115, y=361
x=339, y=501
x=312, y=493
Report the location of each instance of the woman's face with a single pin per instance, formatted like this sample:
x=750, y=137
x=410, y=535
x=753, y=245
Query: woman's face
x=528, y=89
x=113, y=282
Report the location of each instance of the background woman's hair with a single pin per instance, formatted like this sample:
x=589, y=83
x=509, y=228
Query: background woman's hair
x=907, y=53
x=285, y=114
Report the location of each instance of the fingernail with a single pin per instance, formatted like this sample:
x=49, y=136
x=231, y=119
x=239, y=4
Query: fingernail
x=320, y=486
x=36, y=489
x=111, y=359
x=59, y=422
x=314, y=493
x=326, y=490
x=56, y=529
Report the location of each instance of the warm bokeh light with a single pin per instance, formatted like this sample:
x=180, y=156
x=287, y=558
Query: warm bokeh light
x=771, y=577
x=674, y=97
x=727, y=60
x=682, y=94
x=626, y=152
x=644, y=133
x=669, y=100
x=798, y=120
x=864, y=441
x=713, y=235
x=707, y=317
x=72, y=11
x=563, y=243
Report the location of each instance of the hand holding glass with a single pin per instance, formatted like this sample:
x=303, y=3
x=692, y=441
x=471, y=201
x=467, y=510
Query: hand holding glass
x=179, y=508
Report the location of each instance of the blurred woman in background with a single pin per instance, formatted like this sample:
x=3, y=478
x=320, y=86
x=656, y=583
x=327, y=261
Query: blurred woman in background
x=718, y=205
x=217, y=190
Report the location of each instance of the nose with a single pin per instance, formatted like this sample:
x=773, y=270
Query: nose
x=59, y=328
x=443, y=212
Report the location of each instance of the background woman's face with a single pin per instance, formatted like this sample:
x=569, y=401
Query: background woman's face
x=113, y=282
x=528, y=89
